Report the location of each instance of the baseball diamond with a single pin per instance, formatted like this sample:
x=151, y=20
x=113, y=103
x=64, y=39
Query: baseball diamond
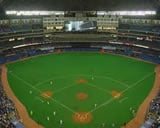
x=84, y=90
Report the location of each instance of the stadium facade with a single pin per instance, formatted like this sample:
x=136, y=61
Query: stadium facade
x=132, y=33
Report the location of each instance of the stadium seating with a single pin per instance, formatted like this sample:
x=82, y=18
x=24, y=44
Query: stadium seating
x=153, y=116
x=146, y=28
x=19, y=28
x=8, y=114
x=5, y=28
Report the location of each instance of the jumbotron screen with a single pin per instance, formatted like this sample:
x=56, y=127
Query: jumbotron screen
x=80, y=26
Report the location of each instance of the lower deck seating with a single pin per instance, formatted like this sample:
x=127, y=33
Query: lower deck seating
x=153, y=115
x=7, y=111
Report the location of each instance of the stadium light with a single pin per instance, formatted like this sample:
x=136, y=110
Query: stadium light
x=43, y=13
x=34, y=13
x=127, y=13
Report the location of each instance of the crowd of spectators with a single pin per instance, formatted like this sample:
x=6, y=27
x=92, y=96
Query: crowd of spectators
x=8, y=114
x=153, y=115
x=13, y=54
x=140, y=27
x=17, y=28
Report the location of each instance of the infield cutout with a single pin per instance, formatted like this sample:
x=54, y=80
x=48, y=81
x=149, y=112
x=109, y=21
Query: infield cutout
x=47, y=94
x=82, y=81
x=82, y=117
x=81, y=96
x=116, y=94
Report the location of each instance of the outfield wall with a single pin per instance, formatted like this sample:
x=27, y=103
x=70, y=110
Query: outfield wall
x=14, y=54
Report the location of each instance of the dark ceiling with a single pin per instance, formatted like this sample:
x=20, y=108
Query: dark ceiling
x=79, y=5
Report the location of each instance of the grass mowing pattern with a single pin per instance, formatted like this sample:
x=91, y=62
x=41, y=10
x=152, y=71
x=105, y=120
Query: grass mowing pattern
x=110, y=73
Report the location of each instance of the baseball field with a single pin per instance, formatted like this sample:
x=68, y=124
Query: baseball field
x=81, y=90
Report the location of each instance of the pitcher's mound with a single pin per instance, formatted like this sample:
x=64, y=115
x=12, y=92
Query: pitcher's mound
x=81, y=81
x=116, y=94
x=47, y=94
x=82, y=117
x=82, y=96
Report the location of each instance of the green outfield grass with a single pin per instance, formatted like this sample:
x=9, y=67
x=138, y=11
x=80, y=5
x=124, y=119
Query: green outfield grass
x=104, y=73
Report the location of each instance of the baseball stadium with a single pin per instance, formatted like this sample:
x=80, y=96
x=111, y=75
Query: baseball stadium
x=79, y=64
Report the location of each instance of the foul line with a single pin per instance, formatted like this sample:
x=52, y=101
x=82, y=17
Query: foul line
x=61, y=89
x=125, y=98
x=104, y=104
x=38, y=98
x=42, y=82
x=117, y=81
x=30, y=85
x=133, y=85
x=112, y=99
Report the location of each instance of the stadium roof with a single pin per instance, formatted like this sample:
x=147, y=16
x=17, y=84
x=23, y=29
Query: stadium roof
x=79, y=5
